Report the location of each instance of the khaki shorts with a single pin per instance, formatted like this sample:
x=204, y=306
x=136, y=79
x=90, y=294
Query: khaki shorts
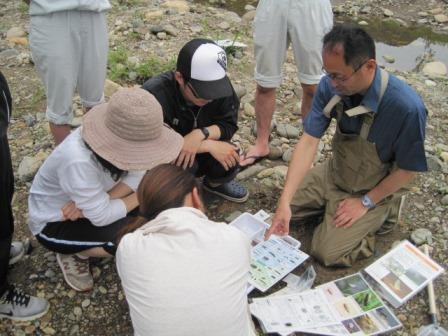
x=279, y=23
x=69, y=49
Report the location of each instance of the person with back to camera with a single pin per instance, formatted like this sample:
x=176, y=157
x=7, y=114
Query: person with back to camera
x=182, y=274
x=85, y=190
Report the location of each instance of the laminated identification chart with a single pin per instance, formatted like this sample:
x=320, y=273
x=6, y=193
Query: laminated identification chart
x=272, y=260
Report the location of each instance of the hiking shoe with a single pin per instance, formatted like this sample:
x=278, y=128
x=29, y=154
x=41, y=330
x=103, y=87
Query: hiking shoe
x=387, y=227
x=18, y=306
x=76, y=271
x=232, y=191
x=16, y=252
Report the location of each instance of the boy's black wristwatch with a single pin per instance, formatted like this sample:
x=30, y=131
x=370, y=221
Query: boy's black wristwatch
x=206, y=133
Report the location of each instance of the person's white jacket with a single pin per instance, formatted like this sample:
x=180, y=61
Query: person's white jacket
x=185, y=275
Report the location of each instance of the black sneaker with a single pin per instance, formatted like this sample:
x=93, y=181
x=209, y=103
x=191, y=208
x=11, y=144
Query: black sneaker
x=18, y=306
x=232, y=191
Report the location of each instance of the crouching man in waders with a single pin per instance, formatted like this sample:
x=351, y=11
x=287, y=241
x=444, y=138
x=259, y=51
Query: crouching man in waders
x=378, y=148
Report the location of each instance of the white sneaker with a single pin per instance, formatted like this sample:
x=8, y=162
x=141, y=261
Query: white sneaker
x=17, y=252
x=76, y=271
x=18, y=306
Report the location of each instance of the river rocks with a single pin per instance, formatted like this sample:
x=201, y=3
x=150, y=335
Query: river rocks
x=110, y=88
x=15, y=32
x=281, y=171
x=288, y=131
x=224, y=25
x=435, y=69
x=436, y=11
x=265, y=173
x=444, y=200
x=29, y=166
x=389, y=59
x=153, y=15
x=249, y=172
x=161, y=35
x=444, y=156
x=287, y=155
x=178, y=5
x=8, y=54
x=387, y=12
x=170, y=30
x=430, y=83
x=249, y=110
x=23, y=41
x=434, y=163
x=249, y=16
x=275, y=153
x=240, y=91
x=441, y=18
x=421, y=236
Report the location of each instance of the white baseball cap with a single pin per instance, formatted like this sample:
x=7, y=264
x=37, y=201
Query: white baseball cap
x=203, y=64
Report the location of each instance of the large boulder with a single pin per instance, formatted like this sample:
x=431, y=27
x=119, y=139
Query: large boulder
x=435, y=69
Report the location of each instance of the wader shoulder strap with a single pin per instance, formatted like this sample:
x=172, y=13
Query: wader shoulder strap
x=368, y=118
x=331, y=104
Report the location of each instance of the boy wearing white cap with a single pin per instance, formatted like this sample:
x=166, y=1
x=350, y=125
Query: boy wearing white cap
x=199, y=102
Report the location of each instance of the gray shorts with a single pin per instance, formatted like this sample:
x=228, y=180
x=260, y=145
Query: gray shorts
x=69, y=49
x=279, y=23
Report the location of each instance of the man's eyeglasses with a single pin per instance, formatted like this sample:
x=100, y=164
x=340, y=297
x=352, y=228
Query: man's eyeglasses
x=341, y=78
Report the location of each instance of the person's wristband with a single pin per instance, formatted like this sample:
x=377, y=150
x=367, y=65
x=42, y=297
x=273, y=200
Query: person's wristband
x=206, y=133
x=367, y=202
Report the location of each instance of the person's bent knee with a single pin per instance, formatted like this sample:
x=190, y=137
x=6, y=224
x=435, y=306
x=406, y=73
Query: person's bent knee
x=325, y=255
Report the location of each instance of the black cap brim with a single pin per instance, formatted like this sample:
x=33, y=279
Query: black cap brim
x=211, y=90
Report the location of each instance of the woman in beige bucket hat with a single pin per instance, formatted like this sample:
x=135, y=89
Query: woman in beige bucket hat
x=85, y=190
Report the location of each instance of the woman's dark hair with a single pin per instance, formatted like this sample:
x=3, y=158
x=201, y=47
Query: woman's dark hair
x=162, y=188
x=115, y=173
x=357, y=44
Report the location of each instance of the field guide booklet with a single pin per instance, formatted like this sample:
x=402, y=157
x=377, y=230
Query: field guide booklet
x=346, y=306
x=402, y=273
x=272, y=259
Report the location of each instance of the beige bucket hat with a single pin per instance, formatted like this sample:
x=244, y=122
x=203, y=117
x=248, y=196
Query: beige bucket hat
x=129, y=132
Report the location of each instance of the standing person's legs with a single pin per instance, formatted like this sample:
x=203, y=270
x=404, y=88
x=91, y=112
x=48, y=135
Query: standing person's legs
x=6, y=218
x=271, y=43
x=56, y=57
x=306, y=34
x=93, y=62
x=14, y=304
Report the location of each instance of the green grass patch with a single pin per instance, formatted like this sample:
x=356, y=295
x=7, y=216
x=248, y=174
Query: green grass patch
x=119, y=67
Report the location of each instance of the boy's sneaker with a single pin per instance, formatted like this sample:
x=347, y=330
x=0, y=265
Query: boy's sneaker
x=18, y=306
x=16, y=252
x=232, y=191
x=76, y=271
